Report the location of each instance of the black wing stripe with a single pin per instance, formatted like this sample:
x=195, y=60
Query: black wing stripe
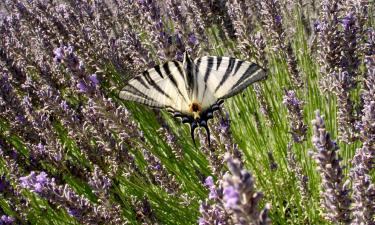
x=133, y=90
x=218, y=62
x=179, y=68
x=227, y=73
x=190, y=76
x=158, y=70
x=252, y=68
x=172, y=79
x=210, y=63
x=238, y=66
x=155, y=85
x=141, y=81
x=196, y=74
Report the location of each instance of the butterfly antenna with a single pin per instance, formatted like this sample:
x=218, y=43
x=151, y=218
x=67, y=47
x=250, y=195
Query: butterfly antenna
x=193, y=126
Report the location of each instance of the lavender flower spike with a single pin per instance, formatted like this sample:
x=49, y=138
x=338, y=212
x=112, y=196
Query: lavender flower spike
x=364, y=159
x=239, y=196
x=298, y=128
x=335, y=193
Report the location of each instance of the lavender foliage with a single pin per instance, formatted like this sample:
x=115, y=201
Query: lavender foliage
x=71, y=151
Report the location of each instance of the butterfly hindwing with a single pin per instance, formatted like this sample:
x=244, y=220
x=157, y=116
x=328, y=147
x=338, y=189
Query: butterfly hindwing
x=227, y=76
x=161, y=86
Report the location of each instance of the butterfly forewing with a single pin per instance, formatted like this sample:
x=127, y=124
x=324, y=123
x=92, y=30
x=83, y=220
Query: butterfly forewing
x=226, y=76
x=161, y=86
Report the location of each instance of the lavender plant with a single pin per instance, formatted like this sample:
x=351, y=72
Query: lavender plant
x=335, y=192
x=72, y=152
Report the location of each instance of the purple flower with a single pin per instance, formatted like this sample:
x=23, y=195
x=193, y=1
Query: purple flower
x=348, y=21
x=202, y=221
x=59, y=54
x=231, y=197
x=6, y=219
x=94, y=79
x=278, y=19
x=69, y=49
x=291, y=98
x=42, y=178
x=34, y=182
x=21, y=119
x=26, y=180
x=209, y=182
x=224, y=125
x=318, y=26
x=73, y=212
x=82, y=86
x=178, y=38
x=38, y=188
x=213, y=193
x=64, y=105
x=192, y=39
x=41, y=148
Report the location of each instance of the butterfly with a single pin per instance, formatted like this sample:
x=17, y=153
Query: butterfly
x=192, y=90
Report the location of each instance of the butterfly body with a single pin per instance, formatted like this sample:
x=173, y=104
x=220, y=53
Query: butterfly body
x=192, y=90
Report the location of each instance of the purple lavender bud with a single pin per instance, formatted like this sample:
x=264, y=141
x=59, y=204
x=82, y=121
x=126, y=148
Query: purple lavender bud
x=94, y=79
x=278, y=19
x=170, y=138
x=298, y=129
x=59, y=54
x=69, y=49
x=21, y=119
x=209, y=182
x=42, y=178
x=231, y=197
x=317, y=26
x=7, y=219
x=73, y=212
x=26, y=102
x=192, y=39
x=34, y=182
x=82, y=86
x=213, y=193
x=41, y=148
x=64, y=105
x=202, y=221
x=37, y=187
x=224, y=125
x=157, y=167
x=348, y=20
x=26, y=180
x=179, y=56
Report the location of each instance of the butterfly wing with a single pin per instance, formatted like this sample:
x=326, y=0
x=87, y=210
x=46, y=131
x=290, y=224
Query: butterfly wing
x=225, y=76
x=161, y=87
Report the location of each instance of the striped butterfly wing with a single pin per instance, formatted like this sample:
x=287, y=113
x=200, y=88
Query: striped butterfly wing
x=163, y=86
x=225, y=76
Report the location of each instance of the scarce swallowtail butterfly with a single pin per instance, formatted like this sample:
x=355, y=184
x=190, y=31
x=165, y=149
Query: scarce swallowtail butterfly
x=192, y=90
